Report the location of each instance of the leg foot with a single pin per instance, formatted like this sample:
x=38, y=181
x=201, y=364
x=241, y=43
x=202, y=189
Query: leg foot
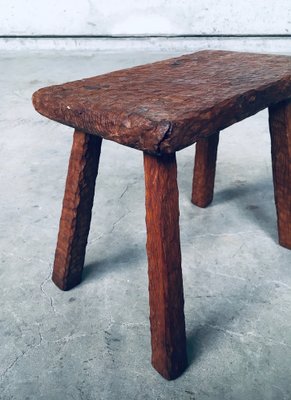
x=280, y=129
x=168, y=336
x=204, y=170
x=76, y=213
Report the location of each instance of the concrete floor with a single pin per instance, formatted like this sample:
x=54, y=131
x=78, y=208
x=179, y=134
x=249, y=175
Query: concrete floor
x=93, y=342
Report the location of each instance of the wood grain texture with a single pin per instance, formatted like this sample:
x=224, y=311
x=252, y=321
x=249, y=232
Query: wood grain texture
x=76, y=213
x=164, y=266
x=204, y=170
x=280, y=129
x=165, y=106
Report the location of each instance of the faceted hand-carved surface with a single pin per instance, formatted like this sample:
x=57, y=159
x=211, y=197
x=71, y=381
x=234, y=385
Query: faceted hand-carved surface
x=76, y=214
x=164, y=261
x=280, y=129
x=165, y=106
x=204, y=170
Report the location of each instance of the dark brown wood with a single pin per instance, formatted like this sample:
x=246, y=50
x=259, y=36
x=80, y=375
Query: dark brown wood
x=204, y=170
x=161, y=108
x=168, y=105
x=168, y=336
x=280, y=129
x=76, y=213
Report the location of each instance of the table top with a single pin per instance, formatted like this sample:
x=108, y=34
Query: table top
x=165, y=106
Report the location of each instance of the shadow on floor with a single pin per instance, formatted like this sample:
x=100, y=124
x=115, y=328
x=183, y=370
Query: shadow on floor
x=221, y=318
x=255, y=202
x=120, y=260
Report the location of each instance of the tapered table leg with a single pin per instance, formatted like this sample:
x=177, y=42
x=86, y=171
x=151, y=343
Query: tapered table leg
x=164, y=266
x=204, y=170
x=76, y=213
x=280, y=129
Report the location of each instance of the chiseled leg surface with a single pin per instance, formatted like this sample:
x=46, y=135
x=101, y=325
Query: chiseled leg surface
x=204, y=170
x=280, y=130
x=76, y=212
x=166, y=299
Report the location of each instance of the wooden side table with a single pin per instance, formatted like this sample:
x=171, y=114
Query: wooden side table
x=161, y=108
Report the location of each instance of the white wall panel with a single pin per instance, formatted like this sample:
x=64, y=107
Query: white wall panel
x=145, y=17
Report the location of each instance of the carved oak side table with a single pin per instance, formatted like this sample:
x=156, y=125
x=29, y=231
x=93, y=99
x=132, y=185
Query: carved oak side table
x=161, y=108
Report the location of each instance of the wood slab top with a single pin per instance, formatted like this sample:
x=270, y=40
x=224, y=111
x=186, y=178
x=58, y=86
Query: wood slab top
x=165, y=106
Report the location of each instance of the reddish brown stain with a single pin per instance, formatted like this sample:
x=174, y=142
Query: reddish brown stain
x=280, y=129
x=196, y=95
x=164, y=266
x=76, y=213
x=204, y=170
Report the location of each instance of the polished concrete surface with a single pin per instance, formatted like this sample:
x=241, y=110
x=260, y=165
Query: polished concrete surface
x=93, y=342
